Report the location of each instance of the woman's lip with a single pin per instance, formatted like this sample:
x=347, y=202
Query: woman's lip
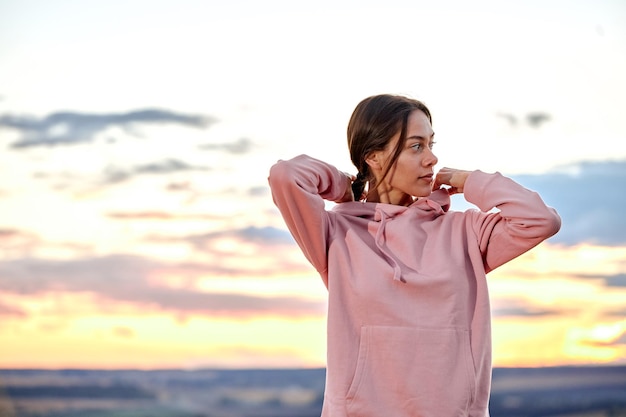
x=427, y=177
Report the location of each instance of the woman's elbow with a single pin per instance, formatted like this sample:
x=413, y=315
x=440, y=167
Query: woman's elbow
x=279, y=172
x=551, y=224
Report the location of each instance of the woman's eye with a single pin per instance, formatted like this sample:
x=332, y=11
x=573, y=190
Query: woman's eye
x=418, y=146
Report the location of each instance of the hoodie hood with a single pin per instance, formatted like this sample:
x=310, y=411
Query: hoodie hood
x=437, y=203
x=427, y=208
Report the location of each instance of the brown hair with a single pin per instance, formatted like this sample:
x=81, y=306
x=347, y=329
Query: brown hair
x=374, y=122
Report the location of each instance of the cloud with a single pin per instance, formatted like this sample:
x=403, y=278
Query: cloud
x=259, y=191
x=17, y=241
x=160, y=215
x=519, y=308
x=167, y=166
x=115, y=175
x=589, y=199
x=533, y=119
x=265, y=236
x=9, y=234
x=510, y=118
x=123, y=332
x=618, y=280
x=243, y=252
x=243, y=145
x=132, y=279
x=179, y=186
x=617, y=341
x=619, y=313
x=10, y=311
x=612, y=280
x=249, y=253
x=68, y=128
x=536, y=119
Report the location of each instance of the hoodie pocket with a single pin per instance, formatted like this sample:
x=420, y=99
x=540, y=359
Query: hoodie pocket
x=405, y=371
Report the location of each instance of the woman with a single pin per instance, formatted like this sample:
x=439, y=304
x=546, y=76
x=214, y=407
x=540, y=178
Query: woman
x=409, y=330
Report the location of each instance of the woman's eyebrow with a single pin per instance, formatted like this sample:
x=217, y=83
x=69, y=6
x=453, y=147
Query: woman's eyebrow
x=417, y=137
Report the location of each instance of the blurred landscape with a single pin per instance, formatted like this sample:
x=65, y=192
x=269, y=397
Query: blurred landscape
x=517, y=392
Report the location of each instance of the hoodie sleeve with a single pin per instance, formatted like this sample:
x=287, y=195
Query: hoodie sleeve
x=522, y=222
x=299, y=187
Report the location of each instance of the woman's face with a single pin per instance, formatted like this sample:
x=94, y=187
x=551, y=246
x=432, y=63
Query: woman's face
x=412, y=174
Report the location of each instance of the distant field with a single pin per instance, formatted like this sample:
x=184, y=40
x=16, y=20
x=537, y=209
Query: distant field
x=540, y=392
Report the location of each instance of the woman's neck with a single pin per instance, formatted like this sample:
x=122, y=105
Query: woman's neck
x=382, y=194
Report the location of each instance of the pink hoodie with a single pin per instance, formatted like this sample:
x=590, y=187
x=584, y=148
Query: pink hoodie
x=409, y=328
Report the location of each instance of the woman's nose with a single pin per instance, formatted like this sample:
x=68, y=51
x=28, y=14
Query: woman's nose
x=430, y=159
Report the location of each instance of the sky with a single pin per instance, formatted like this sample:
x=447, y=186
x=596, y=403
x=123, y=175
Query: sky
x=137, y=229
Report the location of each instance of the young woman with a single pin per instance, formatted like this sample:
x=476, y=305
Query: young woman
x=409, y=327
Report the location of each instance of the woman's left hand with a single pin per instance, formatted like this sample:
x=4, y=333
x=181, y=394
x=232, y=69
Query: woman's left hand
x=452, y=179
x=348, y=195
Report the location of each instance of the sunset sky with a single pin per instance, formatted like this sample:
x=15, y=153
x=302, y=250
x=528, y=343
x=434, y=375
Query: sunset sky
x=136, y=226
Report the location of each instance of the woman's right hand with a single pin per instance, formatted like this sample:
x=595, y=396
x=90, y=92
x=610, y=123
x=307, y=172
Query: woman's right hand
x=452, y=178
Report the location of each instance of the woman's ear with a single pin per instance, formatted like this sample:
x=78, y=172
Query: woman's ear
x=374, y=161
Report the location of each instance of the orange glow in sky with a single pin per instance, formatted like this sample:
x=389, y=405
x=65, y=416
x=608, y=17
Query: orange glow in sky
x=136, y=225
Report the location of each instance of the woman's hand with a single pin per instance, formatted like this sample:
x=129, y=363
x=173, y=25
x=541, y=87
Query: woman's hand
x=452, y=179
x=348, y=195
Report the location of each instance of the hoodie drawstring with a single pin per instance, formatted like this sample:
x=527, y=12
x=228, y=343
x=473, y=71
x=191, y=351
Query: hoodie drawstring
x=424, y=209
x=380, y=235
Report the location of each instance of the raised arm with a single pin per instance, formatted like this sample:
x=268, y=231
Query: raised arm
x=523, y=220
x=299, y=187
